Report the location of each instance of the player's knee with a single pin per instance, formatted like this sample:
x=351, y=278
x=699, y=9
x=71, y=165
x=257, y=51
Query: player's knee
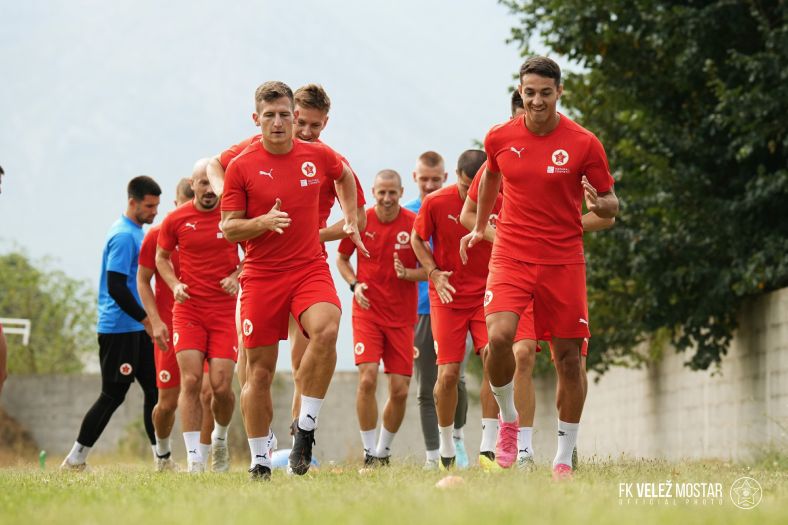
x=367, y=384
x=399, y=394
x=525, y=358
x=568, y=364
x=113, y=399
x=223, y=392
x=206, y=396
x=449, y=377
x=167, y=404
x=325, y=336
x=501, y=339
x=260, y=377
x=191, y=383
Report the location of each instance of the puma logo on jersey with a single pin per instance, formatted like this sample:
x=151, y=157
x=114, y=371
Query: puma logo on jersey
x=371, y=235
x=581, y=320
x=192, y=225
x=455, y=219
x=268, y=174
x=516, y=151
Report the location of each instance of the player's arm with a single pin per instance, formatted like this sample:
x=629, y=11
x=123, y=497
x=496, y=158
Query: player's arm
x=336, y=231
x=468, y=219
x=604, y=205
x=439, y=278
x=594, y=223
x=120, y=293
x=346, y=195
x=215, y=172
x=167, y=272
x=3, y=361
x=230, y=283
x=408, y=274
x=236, y=227
x=159, y=329
x=489, y=187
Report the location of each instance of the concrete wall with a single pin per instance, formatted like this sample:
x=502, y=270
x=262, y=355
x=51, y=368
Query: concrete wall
x=663, y=411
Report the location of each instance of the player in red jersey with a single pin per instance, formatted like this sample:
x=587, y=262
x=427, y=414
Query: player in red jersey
x=456, y=293
x=538, y=252
x=525, y=344
x=271, y=196
x=384, y=313
x=203, y=318
x=312, y=105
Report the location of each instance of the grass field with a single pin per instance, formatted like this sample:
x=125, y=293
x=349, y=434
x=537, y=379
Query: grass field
x=131, y=493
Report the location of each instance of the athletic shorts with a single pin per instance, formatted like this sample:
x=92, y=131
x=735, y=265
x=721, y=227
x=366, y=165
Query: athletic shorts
x=268, y=301
x=450, y=327
x=124, y=356
x=207, y=328
x=393, y=344
x=558, y=294
x=168, y=375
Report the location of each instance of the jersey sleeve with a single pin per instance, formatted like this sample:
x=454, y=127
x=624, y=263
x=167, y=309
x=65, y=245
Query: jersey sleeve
x=424, y=225
x=473, y=191
x=121, y=252
x=148, y=250
x=234, y=197
x=233, y=151
x=346, y=247
x=334, y=165
x=490, y=150
x=596, y=167
x=168, y=238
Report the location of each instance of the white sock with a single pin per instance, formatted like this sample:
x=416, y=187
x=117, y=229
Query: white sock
x=489, y=434
x=162, y=446
x=447, y=449
x=384, y=442
x=504, y=396
x=78, y=454
x=310, y=409
x=567, y=439
x=205, y=451
x=260, y=449
x=368, y=440
x=192, y=442
x=155, y=454
x=433, y=455
x=219, y=434
x=458, y=434
x=524, y=446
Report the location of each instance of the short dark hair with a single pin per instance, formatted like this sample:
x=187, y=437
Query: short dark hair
x=313, y=96
x=542, y=66
x=470, y=161
x=1, y=171
x=141, y=186
x=517, y=102
x=270, y=91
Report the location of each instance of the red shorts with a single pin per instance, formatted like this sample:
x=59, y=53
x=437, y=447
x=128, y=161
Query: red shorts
x=208, y=328
x=168, y=375
x=558, y=294
x=394, y=344
x=450, y=328
x=268, y=301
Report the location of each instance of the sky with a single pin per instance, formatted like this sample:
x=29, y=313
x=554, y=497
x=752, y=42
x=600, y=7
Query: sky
x=94, y=93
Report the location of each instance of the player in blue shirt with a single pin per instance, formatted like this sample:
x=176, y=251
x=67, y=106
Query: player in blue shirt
x=125, y=349
x=430, y=174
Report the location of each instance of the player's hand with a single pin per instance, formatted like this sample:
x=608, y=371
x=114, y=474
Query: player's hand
x=361, y=299
x=148, y=327
x=161, y=335
x=230, y=284
x=351, y=230
x=469, y=241
x=276, y=219
x=441, y=281
x=590, y=194
x=180, y=294
x=399, y=268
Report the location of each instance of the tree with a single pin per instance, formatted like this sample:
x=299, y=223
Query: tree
x=689, y=99
x=62, y=311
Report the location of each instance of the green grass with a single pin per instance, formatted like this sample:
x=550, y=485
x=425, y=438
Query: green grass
x=131, y=493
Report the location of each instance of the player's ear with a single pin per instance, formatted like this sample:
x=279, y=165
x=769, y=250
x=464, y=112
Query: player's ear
x=256, y=119
x=559, y=91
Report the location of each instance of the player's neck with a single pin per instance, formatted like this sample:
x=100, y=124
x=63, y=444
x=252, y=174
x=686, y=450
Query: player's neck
x=542, y=128
x=277, y=149
x=130, y=216
x=386, y=215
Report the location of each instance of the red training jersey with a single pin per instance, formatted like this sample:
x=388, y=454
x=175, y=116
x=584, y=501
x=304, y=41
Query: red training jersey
x=147, y=258
x=392, y=301
x=543, y=199
x=256, y=178
x=439, y=219
x=205, y=255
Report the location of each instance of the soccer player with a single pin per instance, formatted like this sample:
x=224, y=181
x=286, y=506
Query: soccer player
x=312, y=105
x=125, y=349
x=429, y=175
x=456, y=295
x=538, y=252
x=203, y=318
x=384, y=313
x=271, y=195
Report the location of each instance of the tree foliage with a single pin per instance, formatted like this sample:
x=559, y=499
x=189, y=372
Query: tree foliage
x=62, y=312
x=689, y=99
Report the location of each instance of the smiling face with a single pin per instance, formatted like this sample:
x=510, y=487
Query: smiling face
x=309, y=123
x=540, y=98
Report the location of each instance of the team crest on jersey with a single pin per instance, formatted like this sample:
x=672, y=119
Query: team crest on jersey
x=560, y=157
x=248, y=328
x=308, y=169
x=488, y=297
x=415, y=352
x=403, y=237
x=165, y=376
x=126, y=369
x=359, y=348
x=494, y=220
x=175, y=338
